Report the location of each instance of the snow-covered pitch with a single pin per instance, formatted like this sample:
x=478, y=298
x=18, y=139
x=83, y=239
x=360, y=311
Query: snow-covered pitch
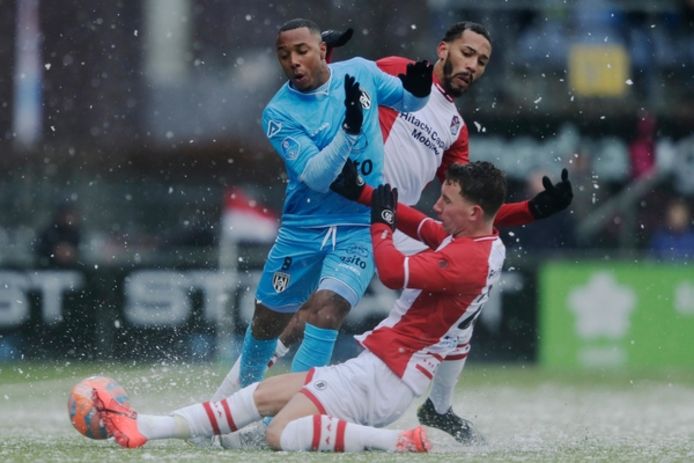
x=526, y=414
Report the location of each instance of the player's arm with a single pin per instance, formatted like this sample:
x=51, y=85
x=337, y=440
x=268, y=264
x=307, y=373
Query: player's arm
x=334, y=39
x=393, y=65
x=394, y=268
x=429, y=270
x=407, y=92
x=554, y=198
x=316, y=167
x=410, y=221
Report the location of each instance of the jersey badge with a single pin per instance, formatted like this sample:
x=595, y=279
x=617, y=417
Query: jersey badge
x=273, y=128
x=455, y=125
x=280, y=281
x=290, y=148
x=365, y=100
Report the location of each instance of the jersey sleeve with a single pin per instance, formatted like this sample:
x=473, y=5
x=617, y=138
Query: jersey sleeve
x=428, y=270
x=289, y=140
x=411, y=222
x=317, y=168
x=457, y=153
x=393, y=65
x=391, y=92
x=513, y=214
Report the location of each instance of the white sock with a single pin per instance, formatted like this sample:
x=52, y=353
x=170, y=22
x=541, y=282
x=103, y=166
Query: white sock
x=224, y=416
x=163, y=427
x=443, y=384
x=280, y=351
x=231, y=382
x=325, y=433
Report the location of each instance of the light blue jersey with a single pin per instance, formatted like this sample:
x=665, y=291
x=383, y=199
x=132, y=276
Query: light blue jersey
x=305, y=129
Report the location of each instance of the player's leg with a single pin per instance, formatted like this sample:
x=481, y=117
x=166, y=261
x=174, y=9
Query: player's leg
x=339, y=405
x=205, y=419
x=437, y=410
x=326, y=310
x=346, y=273
x=289, y=276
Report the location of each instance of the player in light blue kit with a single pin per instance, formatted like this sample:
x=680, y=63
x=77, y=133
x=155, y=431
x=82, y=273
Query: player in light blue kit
x=322, y=256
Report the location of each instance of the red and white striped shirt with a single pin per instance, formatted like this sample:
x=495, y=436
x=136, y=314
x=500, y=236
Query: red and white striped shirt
x=422, y=144
x=443, y=289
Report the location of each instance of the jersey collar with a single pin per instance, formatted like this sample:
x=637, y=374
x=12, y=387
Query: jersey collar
x=437, y=84
x=322, y=90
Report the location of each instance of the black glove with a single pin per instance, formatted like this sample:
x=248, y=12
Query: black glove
x=335, y=39
x=353, y=113
x=383, y=204
x=417, y=80
x=555, y=198
x=349, y=183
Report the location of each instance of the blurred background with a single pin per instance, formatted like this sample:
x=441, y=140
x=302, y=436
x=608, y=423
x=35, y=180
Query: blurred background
x=139, y=195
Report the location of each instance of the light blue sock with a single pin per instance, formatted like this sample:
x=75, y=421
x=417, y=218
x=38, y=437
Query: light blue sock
x=255, y=355
x=316, y=348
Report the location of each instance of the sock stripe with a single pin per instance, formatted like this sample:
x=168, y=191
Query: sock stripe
x=316, y=432
x=211, y=417
x=340, y=436
x=424, y=371
x=230, y=419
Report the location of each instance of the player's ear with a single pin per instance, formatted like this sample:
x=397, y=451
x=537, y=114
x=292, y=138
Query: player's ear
x=477, y=213
x=442, y=50
x=323, y=50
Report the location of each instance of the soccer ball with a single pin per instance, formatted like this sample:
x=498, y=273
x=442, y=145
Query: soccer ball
x=81, y=408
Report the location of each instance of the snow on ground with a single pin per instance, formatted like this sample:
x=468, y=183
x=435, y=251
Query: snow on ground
x=523, y=419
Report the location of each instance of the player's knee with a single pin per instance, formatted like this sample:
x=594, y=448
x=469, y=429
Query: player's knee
x=328, y=310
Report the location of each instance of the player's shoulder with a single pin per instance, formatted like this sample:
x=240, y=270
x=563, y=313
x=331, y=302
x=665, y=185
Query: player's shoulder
x=278, y=101
x=393, y=64
x=467, y=249
x=353, y=64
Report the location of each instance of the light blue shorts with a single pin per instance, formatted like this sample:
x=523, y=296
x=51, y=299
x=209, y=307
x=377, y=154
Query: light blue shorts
x=303, y=260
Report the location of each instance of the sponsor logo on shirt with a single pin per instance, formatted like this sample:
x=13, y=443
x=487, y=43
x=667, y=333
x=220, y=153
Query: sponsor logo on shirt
x=290, y=148
x=425, y=134
x=273, y=128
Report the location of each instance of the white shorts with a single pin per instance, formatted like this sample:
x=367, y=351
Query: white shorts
x=362, y=390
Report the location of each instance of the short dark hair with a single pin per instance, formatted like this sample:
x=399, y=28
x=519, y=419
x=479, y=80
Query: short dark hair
x=458, y=28
x=480, y=182
x=297, y=23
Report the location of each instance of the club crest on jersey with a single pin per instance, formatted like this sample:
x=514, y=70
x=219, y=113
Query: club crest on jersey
x=273, y=128
x=280, y=281
x=365, y=100
x=455, y=125
x=290, y=148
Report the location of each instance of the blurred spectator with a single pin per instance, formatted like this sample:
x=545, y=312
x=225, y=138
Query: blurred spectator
x=552, y=233
x=675, y=240
x=58, y=244
x=642, y=148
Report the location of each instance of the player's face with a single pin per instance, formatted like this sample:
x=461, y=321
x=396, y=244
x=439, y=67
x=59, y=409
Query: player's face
x=455, y=212
x=302, y=57
x=462, y=61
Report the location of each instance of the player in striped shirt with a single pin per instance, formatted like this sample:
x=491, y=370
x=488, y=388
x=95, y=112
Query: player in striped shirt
x=345, y=407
